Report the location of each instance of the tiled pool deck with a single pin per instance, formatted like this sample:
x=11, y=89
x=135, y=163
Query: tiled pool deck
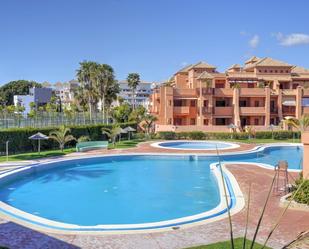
x=294, y=222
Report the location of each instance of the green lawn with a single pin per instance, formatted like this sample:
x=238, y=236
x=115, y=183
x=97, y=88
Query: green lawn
x=35, y=155
x=126, y=144
x=227, y=244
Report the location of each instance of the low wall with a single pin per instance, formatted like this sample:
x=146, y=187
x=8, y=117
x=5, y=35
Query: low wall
x=210, y=128
x=305, y=141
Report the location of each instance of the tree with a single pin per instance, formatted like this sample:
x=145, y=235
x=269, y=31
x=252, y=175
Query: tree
x=61, y=136
x=121, y=113
x=112, y=134
x=149, y=120
x=18, y=87
x=133, y=81
x=106, y=86
x=85, y=75
x=138, y=114
x=300, y=124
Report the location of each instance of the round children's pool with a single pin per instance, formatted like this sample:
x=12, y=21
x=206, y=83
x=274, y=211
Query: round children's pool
x=195, y=145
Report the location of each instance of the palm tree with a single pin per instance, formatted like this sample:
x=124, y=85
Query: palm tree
x=105, y=82
x=62, y=136
x=112, y=134
x=85, y=77
x=300, y=124
x=133, y=81
x=149, y=120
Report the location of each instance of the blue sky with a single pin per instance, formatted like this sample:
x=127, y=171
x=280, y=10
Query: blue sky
x=45, y=40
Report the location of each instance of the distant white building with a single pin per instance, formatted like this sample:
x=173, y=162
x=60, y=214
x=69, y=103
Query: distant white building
x=24, y=101
x=39, y=96
x=143, y=91
x=65, y=91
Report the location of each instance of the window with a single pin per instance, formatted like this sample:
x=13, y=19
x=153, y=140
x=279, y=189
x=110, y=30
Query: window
x=206, y=121
x=192, y=103
x=192, y=121
x=242, y=103
x=256, y=103
x=256, y=121
x=221, y=121
x=276, y=71
x=265, y=71
x=220, y=103
x=205, y=103
x=260, y=71
x=271, y=71
x=169, y=102
x=281, y=71
x=287, y=71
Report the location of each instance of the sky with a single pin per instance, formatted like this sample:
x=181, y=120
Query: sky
x=46, y=40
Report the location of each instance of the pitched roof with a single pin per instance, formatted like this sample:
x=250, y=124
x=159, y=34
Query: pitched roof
x=299, y=70
x=184, y=69
x=267, y=61
x=205, y=75
x=202, y=64
x=235, y=66
x=252, y=60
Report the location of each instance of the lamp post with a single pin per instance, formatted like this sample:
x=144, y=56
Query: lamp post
x=7, y=150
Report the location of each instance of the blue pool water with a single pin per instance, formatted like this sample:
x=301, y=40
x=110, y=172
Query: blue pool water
x=196, y=145
x=128, y=189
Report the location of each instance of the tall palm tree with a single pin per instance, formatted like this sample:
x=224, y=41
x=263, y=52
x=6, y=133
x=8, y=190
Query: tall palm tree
x=85, y=77
x=61, y=136
x=104, y=80
x=300, y=124
x=133, y=81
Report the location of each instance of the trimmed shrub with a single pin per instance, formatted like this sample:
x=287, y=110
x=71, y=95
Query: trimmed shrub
x=20, y=142
x=303, y=194
x=167, y=135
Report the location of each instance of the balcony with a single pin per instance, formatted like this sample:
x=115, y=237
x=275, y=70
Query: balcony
x=206, y=110
x=223, y=92
x=223, y=111
x=182, y=110
x=252, y=92
x=289, y=92
x=185, y=92
x=252, y=111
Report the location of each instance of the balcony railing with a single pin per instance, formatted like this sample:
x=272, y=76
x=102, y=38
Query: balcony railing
x=181, y=109
x=252, y=92
x=223, y=111
x=223, y=92
x=185, y=92
x=289, y=92
x=252, y=110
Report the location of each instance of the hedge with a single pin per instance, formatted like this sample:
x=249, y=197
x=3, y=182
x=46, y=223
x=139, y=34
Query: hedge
x=19, y=137
x=199, y=135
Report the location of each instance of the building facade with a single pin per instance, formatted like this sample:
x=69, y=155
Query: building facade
x=260, y=93
x=38, y=96
x=142, y=94
x=65, y=92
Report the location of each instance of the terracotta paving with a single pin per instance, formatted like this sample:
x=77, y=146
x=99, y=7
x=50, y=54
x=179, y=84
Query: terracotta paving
x=294, y=222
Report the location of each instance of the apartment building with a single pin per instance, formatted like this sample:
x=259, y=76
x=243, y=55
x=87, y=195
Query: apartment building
x=261, y=92
x=143, y=91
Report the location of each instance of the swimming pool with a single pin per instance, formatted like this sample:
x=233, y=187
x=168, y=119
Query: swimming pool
x=130, y=192
x=195, y=145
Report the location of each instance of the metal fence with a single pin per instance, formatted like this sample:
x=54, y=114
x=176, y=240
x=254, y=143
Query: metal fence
x=51, y=120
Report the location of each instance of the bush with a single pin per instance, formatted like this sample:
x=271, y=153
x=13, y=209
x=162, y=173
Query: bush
x=20, y=142
x=167, y=135
x=303, y=194
x=199, y=135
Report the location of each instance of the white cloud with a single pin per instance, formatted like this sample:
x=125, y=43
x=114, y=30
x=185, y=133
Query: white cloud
x=292, y=39
x=254, y=41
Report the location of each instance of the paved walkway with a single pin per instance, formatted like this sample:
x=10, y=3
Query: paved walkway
x=294, y=222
